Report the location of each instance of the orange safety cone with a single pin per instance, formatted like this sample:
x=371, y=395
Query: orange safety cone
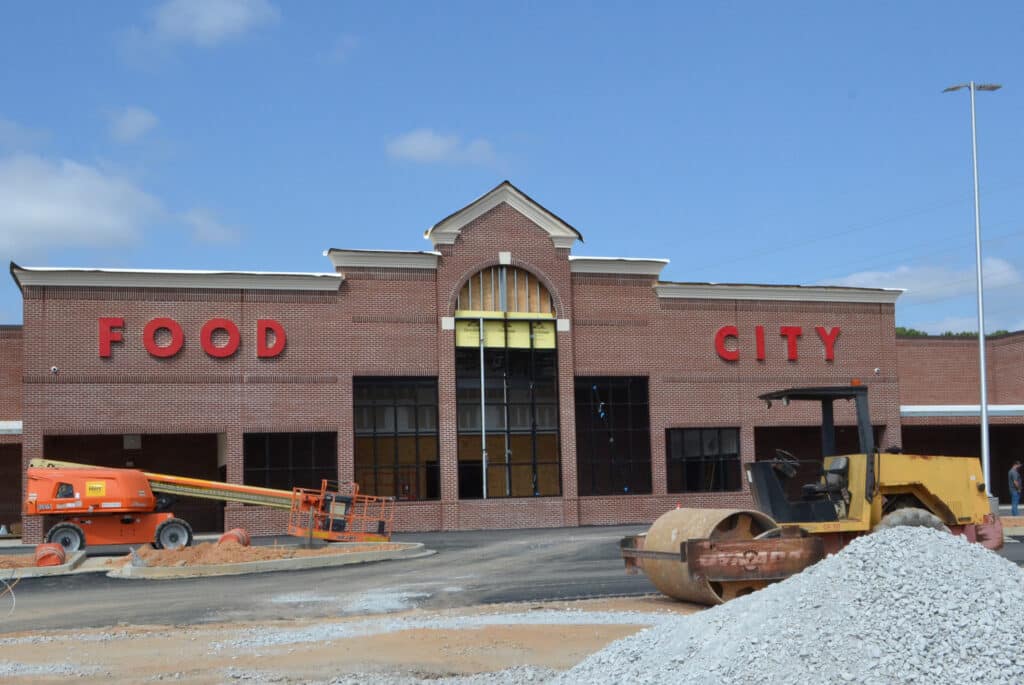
x=679, y=504
x=236, y=535
x=50, y=554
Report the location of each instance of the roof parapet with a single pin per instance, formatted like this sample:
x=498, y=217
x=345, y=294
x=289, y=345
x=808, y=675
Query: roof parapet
x=168, y=278
x=778, y=293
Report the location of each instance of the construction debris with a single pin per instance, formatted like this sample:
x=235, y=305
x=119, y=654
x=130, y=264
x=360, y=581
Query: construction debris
x=904, y=605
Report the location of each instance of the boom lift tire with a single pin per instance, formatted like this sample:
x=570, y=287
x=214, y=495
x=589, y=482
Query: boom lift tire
x=914, y=517
x=173, y=534
x=67, y=535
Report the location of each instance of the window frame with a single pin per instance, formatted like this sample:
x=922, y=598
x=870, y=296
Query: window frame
x=631, y=474
x=500, y=390
x=383, y=394
x=725, y=460
x=316, y=471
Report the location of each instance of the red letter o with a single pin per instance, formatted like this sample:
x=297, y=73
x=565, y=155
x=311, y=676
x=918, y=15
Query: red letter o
x=206, y=338
x=149, y=337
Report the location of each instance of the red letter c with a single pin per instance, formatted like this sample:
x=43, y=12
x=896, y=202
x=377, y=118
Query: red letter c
x=723, y=333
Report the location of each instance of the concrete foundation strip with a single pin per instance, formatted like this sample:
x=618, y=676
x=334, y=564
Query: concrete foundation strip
x=70, y=564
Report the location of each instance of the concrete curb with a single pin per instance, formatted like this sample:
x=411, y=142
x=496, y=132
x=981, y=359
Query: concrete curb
x=407, y=550
x=69, y=565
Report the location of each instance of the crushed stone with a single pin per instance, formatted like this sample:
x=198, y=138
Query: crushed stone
x=16, y=669
x=272, y=637
x=382, y=602
x=510, y=676
x=904, y=605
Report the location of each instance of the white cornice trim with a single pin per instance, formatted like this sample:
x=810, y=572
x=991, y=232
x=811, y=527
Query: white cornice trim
x=382, y=259
x=616, y=265
x=778, y=293
x=10, y=427
x=933, y=410
x=447, y=230
x=161, y=278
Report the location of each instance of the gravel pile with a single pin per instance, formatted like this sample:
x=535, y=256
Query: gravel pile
x=905, y=605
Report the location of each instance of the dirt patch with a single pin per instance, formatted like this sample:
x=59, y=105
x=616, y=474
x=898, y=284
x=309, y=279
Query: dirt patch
x=133, y=654
x=232, y=553
x=17, y=561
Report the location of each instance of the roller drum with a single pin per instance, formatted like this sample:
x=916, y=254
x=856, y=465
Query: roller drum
x=672, y=529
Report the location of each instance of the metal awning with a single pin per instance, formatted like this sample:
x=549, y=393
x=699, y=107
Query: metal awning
x=929, y=410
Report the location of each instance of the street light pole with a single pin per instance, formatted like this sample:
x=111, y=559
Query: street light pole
x=983, y=403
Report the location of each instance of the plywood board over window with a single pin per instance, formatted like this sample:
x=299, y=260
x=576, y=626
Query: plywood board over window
x=505, y=289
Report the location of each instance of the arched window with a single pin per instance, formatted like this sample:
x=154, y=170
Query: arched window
x=505, y=289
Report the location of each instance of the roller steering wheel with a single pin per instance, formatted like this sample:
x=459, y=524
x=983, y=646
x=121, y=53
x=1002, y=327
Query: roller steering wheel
x=785, y=462
x=786, y=457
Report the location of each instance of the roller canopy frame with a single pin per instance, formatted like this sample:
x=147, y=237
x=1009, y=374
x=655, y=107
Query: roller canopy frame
x=827, y=395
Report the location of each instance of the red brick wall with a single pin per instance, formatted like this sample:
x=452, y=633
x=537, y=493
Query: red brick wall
x=939, y=370
x=10, y=372
x=1006, y=359
x=623, y=328
x=386, y=322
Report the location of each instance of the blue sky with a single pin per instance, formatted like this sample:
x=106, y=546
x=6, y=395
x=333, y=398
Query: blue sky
x=794, y=142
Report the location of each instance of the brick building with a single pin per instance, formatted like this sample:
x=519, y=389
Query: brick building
x=594, y=392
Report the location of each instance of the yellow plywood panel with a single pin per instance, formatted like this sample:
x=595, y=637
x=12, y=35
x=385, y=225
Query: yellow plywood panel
x=544, y=335
x=477, y=314
x=518, y=334
x=494, y=333
x=467, y=333
x=529, y=316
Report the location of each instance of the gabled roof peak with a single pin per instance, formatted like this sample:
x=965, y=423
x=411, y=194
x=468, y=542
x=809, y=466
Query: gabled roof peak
x=445, y=231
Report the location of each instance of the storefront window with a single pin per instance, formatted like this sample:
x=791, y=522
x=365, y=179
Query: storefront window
x=613, y=439
x=703, y=459
x=521, y=422
x=286, y=460
x=396, y=451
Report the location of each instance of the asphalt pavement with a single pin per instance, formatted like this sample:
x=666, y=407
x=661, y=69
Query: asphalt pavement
x=470, y=568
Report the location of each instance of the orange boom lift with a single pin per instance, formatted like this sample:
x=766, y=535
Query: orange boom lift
x=112, y=506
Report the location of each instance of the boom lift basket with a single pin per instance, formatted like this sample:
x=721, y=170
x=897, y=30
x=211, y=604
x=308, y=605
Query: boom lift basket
x=338, y=513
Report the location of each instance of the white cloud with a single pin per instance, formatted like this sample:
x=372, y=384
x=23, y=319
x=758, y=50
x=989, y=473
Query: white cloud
x=936, y=282
x=14, y=136
x=209, y=22
x=46, y=203
x=131, y=123
x=206, y=228
x=429, y=147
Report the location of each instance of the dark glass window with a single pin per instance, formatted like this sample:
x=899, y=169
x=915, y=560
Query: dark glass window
x=521, y=422
x=703, y=459
x=396, y=451
x=613, y=435
x=286, y=460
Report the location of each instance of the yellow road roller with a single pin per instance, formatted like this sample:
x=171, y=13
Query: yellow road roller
x=709, y=556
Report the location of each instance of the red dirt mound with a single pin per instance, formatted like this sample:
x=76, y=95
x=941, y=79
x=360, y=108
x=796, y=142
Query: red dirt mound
x=231, y=552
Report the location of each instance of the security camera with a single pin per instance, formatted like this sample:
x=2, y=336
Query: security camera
x=54, y=370
x=877, y=371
